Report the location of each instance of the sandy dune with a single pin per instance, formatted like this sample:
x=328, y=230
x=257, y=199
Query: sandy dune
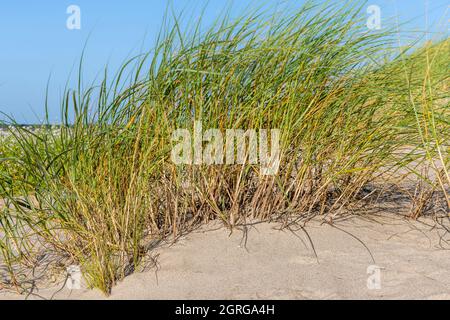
x=210, y=263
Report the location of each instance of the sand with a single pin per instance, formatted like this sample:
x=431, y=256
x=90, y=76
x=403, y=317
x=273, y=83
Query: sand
x=413, y=259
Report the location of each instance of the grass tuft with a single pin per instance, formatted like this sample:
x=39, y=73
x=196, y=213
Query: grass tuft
x=100, y=187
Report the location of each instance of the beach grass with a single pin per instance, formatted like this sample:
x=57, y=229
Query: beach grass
x=350, y=106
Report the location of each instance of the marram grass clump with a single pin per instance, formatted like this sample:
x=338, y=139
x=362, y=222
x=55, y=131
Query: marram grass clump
x=99, y=190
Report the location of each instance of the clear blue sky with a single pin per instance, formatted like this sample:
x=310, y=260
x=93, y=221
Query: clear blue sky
x=36, y=43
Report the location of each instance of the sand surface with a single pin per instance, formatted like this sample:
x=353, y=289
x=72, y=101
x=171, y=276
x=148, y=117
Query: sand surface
x=413, y=257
